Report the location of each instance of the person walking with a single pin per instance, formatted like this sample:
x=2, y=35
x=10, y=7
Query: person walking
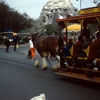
x=32, y=48
x=7, y=44
x=15, y=41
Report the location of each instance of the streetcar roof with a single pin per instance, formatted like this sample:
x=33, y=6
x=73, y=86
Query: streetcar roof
x=89, y=18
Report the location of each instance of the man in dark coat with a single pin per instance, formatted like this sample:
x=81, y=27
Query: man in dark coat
x=15, y=41
x=7, y=44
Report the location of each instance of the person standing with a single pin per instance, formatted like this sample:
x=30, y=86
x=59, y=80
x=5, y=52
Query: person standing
x=15, y=41
x=32, y=48
x=7, y=44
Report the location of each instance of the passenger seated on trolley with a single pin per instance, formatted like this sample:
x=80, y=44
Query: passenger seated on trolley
x=97, y=43
x=85, y=36
x=67, y=48
x=79, y=42
x=67, y=53
x=86, y=42
x=97, y=39
x=83, y=42
x=85, y=31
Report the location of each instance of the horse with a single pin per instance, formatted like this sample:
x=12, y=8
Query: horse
x=46, y=44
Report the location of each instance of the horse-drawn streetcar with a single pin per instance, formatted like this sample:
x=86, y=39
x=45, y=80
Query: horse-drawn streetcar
x=84, y=59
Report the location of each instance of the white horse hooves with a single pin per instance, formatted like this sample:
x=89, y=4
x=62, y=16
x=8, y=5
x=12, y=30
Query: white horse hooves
x=44, y=68
x=36, y=64
x=55, y=68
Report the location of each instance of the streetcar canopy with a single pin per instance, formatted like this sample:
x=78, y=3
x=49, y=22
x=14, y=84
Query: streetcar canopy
x=88, y=16
x=73, y=27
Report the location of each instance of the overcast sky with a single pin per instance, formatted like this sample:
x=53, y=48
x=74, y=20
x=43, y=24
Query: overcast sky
x=34, y=7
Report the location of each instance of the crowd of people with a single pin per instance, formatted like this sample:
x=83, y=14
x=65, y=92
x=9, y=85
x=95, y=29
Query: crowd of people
x=84, y=40
x=14, y=40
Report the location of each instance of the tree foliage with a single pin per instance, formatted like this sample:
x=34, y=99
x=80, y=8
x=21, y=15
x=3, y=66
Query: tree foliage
x=51, y=28
x=11, y=19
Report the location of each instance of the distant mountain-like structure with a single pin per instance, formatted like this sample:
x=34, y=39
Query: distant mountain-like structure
x=54, y=9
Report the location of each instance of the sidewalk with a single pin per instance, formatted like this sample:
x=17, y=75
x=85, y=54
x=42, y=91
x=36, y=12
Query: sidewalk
x=18, y=49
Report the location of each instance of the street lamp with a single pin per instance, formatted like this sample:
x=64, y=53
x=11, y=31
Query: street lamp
x=95, y=1
x=80, y=4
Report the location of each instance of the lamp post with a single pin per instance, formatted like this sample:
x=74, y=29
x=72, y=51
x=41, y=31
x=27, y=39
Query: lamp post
x=80, y=4
x=95, y=1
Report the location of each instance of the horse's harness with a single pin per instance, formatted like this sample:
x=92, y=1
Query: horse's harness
x=37, y=37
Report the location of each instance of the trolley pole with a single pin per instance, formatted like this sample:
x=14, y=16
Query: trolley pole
x=80, y=4
x=94, y=1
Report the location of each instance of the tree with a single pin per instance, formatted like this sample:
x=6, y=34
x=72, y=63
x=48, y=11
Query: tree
x=11, y=19
x=51, y=28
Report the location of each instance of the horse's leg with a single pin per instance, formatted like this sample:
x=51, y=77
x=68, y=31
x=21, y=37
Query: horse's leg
x=44, y=63
x=37, y=62
x=57, y=65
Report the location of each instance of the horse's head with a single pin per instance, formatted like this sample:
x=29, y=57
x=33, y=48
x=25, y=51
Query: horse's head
x=34, y=36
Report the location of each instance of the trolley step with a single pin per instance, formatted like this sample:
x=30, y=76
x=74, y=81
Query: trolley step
x=78, y=76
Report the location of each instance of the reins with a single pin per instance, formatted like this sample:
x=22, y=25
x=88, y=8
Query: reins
x=37, y=37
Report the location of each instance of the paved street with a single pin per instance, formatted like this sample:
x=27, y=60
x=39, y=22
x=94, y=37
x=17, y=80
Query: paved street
x=20, y=80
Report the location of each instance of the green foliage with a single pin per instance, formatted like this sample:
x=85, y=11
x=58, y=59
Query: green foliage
x=51, y=28
x=11, y=19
